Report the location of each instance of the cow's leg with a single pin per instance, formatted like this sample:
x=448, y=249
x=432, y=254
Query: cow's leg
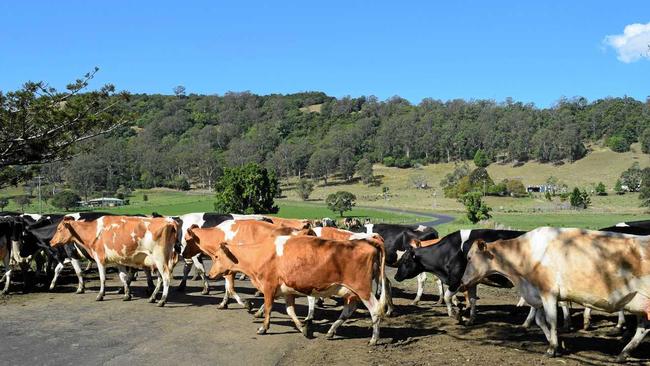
x=150, y=284
x=155, y=291
x=269, y=291
x=566, y=313
x=164, y=272
x=540, y=319
x=472, y=305
x=448, y=301
x=441, y=290
x=200, y=271
x=586, y=318
x=126, y=279
x=102, y=279
x=530, y=318
x=27, y=283
x=390, y=307
x=290, y=302
x=57, y=271
x=7, y=275
x=621, y=320
x=642, y=329
x=89, y=266
x=422, y=278
x=375, y=310
x=348, y=310
x=186, y=272
x=311, y=306
x=550, y=310
x=77, y=270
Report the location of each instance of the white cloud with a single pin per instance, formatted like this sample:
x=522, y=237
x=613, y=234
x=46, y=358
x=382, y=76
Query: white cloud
x=633, y=44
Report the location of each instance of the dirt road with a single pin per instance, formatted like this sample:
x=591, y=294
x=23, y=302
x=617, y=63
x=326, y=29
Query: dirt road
x=60, y=328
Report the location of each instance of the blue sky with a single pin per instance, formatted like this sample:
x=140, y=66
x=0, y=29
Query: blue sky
x=533, y=51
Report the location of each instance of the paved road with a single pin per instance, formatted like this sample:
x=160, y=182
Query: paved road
x=438, y=219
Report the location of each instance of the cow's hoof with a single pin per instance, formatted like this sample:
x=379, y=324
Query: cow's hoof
x=51, y=288
x=258, y=314
x=4, y=292
x=99, y=298
x=372, y=342
x=80, y=291
x=261, y=331
x=414, y=303
x=329, y=336
x=162, y=303
x=621, y=358
x=223, y=305
x=126, y=297
x=205, y=291
x=152, y=300
x=551, y=353
x=258, y=294
x=248, y=305
x=525, y=325
x=469, y=322
x=120, y=291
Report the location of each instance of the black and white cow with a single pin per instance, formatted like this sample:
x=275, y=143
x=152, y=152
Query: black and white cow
x=9, y=250
x=397, y=238
x=206, y=220
x=447, y=260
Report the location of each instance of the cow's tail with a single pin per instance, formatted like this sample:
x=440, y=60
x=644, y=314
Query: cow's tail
x=168, y=235
x=383, y=297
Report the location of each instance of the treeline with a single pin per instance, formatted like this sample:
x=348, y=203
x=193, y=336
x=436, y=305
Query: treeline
x=184, y=141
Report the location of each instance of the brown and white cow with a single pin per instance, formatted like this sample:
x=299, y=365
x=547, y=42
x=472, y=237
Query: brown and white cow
x=287, y=266
x=235, y=231
x=605, y=271
x=291, y=223
x=138, y=242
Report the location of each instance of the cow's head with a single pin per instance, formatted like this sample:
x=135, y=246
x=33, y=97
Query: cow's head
x=480, y=263
x=192, y=240
x=65, y=233
x=223, y=261
x=408, y=266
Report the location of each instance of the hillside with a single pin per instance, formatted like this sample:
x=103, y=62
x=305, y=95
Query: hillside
x=600, y=165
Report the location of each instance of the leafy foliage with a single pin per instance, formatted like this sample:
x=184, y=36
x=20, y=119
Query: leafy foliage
x=4, y=201
x=249, y=189
x=618, y=143
x=364, y=170
x=481, y=159
x=22, y=201
x=65, y=200
x=476, y=209
x=41, y=124
x=579, y=198
x=632, y=177
x=340, y=202
x=305, y=188
x=601, y=190
x=618, y=187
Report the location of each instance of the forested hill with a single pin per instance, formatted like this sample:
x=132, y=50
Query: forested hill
x=176, y=140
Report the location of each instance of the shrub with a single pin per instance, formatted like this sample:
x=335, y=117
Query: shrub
x=65, y=200
x=476, y=209
x=618, y=143
x=389, y=161
x=341, y=201
x=481, y=159
x=600, y=189
x=304, y=188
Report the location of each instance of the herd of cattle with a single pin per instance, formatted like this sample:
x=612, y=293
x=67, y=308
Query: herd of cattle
x=605, y=270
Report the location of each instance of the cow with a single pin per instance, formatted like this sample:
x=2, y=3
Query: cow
x=7, y=232
x=206, y=220
x=303, y=265
x=292, y=223
x=602, y=270
x=333, y=233
x=138, y=242
x=397, y=239
x=447, y=260
x=239, y=231
x=640, y=228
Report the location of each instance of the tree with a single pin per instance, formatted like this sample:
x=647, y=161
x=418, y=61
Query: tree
x=579, y=199
x=322, y=163
x=179, y=91
x=632, y=177
x=22, y=201
x=601, y=190
x=347, y=164
x=644, y=139
x=618, y=143
x=41, y=124
x=65, y=200
x=249, y=189
x=481, y=159
x=364, y=170
x=547, y=195
x=304, y=188
x=476, y=209
x=618, y=187
x=644, y=192
x=516, y=188
x=4, y=201
x=340, y=202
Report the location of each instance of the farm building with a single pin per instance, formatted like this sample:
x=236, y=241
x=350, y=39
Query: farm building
x=104, y=202
x=543, y=188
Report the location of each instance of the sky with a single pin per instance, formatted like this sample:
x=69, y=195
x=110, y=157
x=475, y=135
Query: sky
x=531, y=51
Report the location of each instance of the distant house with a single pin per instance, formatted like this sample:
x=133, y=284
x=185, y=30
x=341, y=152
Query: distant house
x=104, y=202
x=543, y=188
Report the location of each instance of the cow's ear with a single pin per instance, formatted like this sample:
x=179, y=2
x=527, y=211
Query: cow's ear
x=228, y=253
x=190, y=231
x=482, y=246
